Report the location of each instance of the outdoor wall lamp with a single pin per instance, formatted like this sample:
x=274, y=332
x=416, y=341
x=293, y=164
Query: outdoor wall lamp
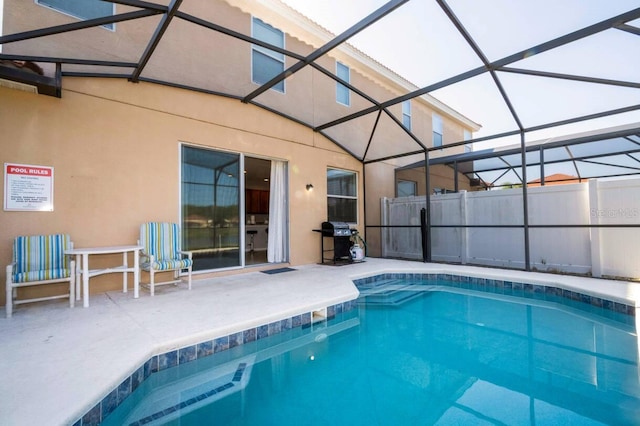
x=309, y=187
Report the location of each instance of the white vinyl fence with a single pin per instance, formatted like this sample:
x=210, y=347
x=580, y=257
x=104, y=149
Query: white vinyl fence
x=598, y=251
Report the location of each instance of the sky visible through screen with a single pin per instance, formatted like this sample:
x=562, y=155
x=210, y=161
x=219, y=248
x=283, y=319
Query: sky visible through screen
x=420, y=43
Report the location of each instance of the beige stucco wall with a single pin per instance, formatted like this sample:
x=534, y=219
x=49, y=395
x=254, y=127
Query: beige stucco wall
x=195, y=56
x=114, y=146
x=441, y=177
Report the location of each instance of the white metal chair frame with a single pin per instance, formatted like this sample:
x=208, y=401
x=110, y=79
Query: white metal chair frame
x=148, y=262
x=12, y=287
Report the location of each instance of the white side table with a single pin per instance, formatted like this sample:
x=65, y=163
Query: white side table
x=82, y=265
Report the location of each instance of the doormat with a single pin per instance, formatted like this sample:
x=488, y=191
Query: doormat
x=341, y=263
x=277, y=271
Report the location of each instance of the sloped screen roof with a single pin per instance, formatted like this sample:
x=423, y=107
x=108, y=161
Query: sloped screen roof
x=524, y=70
x=614, y=153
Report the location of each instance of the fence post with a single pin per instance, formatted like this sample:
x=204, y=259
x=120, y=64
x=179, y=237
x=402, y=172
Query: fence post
x=464, y=232
x=596, y=255
x=384, y=232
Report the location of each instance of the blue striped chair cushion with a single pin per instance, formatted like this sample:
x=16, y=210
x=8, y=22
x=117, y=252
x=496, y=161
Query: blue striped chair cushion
x=162, y=240
x=167, y=265
x=40, y=257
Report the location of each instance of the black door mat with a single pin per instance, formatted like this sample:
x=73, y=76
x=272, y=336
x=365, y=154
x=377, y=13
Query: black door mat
x=340, y=262
x=277, y=271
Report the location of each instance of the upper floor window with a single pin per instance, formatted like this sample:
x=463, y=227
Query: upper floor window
x=343, y=95
x=407, y=188
x=265, y=63
x=406, y=114
x=342, y=196
x=437, y=130
x=83, y=9
x=467, y=136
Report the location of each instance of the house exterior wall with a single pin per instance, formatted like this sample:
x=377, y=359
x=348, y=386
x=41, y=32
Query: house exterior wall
x=441, y=177
x=115, y=148
x=115, y=145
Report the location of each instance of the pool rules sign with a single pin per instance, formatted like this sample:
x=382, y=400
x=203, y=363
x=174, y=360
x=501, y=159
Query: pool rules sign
x=28, y=188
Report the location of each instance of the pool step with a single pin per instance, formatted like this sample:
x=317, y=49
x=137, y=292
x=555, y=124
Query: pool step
x=392, y=292
x=182, y=396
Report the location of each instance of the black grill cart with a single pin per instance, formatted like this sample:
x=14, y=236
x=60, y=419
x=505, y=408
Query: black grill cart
x=339, y=235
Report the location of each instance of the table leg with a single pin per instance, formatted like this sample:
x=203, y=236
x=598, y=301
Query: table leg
x=85, y=280
x=136, y=273
x=77, y=272
x=125, y=284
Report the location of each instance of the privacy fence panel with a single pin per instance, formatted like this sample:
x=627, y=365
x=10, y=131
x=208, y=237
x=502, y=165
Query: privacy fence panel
x=570, y=246
x=447, y=243
x=560, y=249
x=502, y=247
x=402, y=242
x=617, y=202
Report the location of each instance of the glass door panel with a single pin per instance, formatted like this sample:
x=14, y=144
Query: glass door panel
x=211, y=207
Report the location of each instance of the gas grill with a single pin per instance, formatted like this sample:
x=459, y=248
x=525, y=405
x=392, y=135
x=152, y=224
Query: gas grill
x=340, y=233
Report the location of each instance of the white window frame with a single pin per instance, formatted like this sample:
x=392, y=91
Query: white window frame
x=406, y=114
x=347, y=197
x=110, y=27
x=438, y=129
x=267, y=52
x=341, y=87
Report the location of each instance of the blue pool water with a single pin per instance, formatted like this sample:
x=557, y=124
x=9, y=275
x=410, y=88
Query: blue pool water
x=411, y=353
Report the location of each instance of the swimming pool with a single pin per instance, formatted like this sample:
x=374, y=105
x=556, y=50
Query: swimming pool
x=415, y=351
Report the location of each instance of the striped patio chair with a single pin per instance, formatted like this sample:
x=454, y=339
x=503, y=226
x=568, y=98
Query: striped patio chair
x=40, y=260
x=161, y=252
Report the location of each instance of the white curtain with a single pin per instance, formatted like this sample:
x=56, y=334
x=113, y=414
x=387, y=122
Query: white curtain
x=277, y=242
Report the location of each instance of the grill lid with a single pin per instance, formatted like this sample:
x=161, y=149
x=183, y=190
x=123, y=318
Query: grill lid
x=336, y=229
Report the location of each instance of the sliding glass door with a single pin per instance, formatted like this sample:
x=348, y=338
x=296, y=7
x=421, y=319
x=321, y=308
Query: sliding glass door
x=211, y=207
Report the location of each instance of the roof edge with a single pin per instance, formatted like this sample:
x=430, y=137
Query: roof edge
x=305, y=29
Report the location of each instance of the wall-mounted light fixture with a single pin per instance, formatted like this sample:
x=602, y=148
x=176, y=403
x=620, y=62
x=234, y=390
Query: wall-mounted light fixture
x=309, y=187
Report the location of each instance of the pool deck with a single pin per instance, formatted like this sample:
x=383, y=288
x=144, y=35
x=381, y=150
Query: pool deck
x=58, y=362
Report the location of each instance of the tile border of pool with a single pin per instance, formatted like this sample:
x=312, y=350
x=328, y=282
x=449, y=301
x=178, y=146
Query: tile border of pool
x=190, y=353
x=196, y=351
x=507, y=287
x=237, y=377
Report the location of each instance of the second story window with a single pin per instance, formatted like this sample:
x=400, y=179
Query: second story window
x=437, y=130
x=343, y=95
x=406, y=114
x=83, y=9
x=467, y=136
x=265, y=63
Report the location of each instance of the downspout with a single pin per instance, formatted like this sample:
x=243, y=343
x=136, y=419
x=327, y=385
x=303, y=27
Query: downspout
x=455, y=177
x=364, y=198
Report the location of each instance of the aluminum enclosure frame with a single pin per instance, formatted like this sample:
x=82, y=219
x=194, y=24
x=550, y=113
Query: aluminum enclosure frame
x=171, y=12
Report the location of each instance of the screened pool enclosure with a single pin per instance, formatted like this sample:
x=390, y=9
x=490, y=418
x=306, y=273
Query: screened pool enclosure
x=526, y=71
